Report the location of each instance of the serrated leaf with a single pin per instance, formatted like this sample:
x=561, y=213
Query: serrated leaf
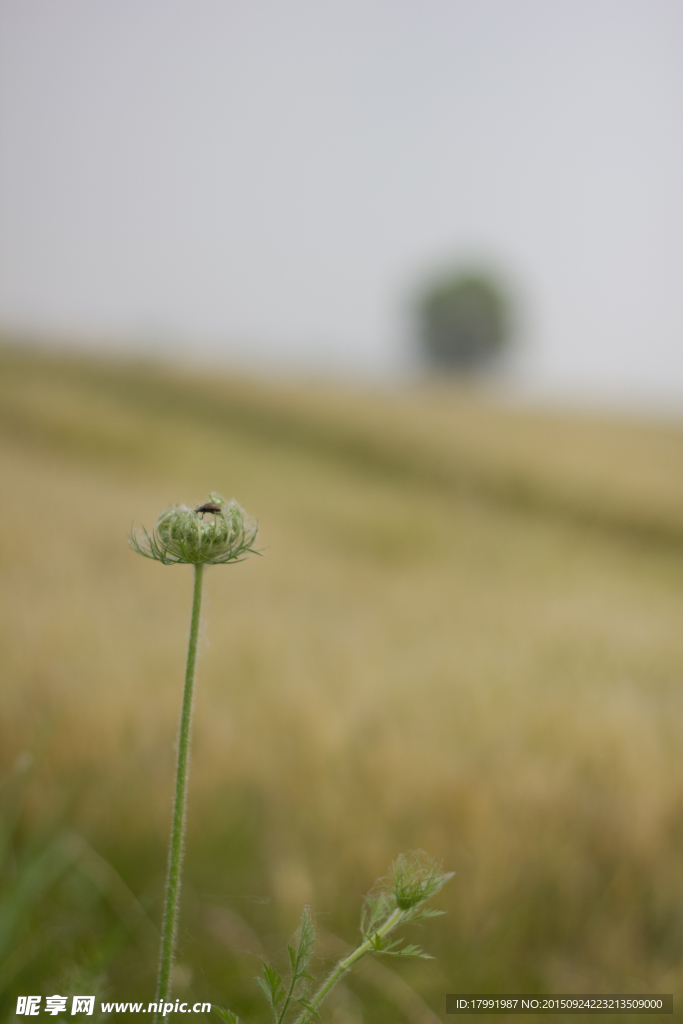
x=273, y=981
x=381, y=945
x=306, y=939
x=227, y=1015
x=376, y=909
x=300, y=958
x=298, y=961
x=264, y=988
x=308, y=1005
x=428, y=912
x=411, y=950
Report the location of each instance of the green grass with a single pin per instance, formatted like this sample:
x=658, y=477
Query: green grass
x=465, y=636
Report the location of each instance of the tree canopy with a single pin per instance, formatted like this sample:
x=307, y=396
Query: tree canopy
x=462, y=321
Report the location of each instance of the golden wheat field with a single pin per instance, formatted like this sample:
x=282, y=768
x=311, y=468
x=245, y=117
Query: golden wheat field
x=464, y=635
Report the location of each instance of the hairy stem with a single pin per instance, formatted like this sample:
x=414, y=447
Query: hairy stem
x=175, y=851
x=290, y=993
x=344, y=965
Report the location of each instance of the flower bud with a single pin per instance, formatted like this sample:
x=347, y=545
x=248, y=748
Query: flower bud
x=414, y=879
x=209, y=536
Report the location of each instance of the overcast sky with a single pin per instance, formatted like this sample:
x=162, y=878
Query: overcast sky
x=271, y=180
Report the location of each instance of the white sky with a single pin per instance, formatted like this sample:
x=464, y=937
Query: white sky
x=270, y=179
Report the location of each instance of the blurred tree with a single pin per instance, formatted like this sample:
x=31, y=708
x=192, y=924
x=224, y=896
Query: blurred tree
x=463, y=321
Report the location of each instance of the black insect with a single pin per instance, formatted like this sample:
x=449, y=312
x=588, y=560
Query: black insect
x=209, y=506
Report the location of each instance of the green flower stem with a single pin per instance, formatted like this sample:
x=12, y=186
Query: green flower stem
x=175, y=854
x=344, y=965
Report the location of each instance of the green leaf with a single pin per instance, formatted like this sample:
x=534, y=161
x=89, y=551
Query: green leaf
x=306, y=940
x=410, y=950
x=299, y=959
x=377, y=907
x=227, y=1015
x=427, y=912
x=381, y=945
x=273, y=980
x=308, y=1005
x=264, y=988
x=271, y=986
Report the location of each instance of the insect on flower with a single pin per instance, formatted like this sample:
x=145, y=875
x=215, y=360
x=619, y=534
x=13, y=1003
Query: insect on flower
x=209, y=506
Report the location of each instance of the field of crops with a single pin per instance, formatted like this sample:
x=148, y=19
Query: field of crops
x=464, y=635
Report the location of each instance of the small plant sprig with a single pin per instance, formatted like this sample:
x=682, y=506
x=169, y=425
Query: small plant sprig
x=396, y=900
x=183, y=536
